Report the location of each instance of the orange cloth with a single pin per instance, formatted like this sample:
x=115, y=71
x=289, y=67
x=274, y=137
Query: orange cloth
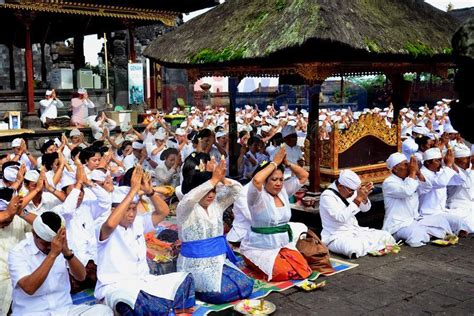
x=289, y=265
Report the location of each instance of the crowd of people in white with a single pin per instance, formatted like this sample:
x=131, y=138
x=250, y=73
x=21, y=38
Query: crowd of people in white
x=68, y=217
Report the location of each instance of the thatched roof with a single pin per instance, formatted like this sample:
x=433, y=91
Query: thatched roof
x=307, y=30
x=462, y=15
x=463, y=43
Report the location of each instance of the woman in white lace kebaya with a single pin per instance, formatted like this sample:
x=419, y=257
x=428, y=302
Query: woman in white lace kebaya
x=205, y=252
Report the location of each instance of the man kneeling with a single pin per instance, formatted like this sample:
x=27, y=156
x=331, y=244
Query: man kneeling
x=124, y=278
x=400, y=196
x=39, y=273
x=338, y=206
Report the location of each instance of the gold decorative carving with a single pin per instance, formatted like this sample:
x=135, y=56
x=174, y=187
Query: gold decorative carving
x=314, y=72
x=369, y=124
x=111, y=11
x=326, y=153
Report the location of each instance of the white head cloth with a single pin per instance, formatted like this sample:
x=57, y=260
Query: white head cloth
x=120, y=193
x=472, y=150
x=16, y=142
x=349, y=179
x=75, y=132
x=449, y=129
x=461, y=151
x=67, y=178
x=44, y=231
x=432, y=153
x=10, y=173
x=288, y=130
x=98, y=175
x=395, y=159
x=137, y=145
x=32, y=175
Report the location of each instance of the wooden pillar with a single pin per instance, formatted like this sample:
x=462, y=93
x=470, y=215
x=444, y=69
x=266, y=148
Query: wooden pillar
x=153, y=86
x=233, y=134
x=12, y=67
x=313, y=136
x=131, y=42
x=342, y=89
x=30, y=94
x=397, y=94
x=79, y=59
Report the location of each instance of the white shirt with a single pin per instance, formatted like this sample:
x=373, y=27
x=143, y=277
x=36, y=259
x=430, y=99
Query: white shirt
x=433, y=193
x=187, y=150
x=10, y=236
x=80, y=221
x=165, y=176
x=336, y=217
x=49, y=108
x=248, y=167
x=401, y=202
x=123, y=255
x=293, y=154
x=24, y=160
x=98, y=126
x=52, y=297
x=130, y=161
x=462, y=196
x=242, y=217
x=48, y=202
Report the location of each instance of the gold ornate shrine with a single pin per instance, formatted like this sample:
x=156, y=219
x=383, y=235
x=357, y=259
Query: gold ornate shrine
x=363, y=147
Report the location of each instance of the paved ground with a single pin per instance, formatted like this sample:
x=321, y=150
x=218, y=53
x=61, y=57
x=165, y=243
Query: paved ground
x=417, y=281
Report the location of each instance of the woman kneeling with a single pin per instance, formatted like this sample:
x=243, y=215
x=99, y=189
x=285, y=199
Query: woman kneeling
x=204, y=251
x=269, y=247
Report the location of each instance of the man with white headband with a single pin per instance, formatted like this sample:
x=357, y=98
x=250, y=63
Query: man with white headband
x=124, y=280
x=49, y=106
x=139, y=156
x=433, y=192
x=461, y=197
x=400, y=195
x=12, y=231
x=21, y=154
x=38, y=266
x=80, y=210
x=13, y=175
x=338, y=206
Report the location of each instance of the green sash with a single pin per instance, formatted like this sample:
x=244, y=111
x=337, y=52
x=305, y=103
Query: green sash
x=286, y=228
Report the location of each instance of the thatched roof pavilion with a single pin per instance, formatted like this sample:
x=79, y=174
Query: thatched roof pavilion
x=313, y=39
x=285, y=31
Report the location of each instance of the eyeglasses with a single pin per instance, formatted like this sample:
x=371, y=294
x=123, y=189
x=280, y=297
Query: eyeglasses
x=350, y=191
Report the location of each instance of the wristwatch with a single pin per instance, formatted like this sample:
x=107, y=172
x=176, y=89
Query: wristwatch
x=70, y=256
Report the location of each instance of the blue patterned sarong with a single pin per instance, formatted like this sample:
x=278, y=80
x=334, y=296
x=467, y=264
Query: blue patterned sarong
x=148, y=304
x=235, y=285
